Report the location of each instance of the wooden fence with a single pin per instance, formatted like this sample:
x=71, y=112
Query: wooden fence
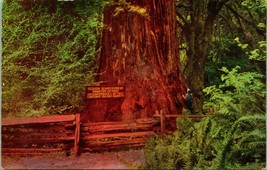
x=116, y=135
x=172, y=118
x=40, y=135
x=66, y=133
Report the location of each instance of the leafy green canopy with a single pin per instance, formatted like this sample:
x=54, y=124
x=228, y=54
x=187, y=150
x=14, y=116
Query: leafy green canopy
x=244, y=19
x=49, y=53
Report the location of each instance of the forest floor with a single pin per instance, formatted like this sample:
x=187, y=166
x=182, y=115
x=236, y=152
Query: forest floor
x=130, y=159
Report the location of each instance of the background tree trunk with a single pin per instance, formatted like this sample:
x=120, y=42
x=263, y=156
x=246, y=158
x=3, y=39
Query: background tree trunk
x=141, y=52
x=198, y=34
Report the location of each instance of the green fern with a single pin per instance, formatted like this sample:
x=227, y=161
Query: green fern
x=210, y=143
x=240, y=94
x=243, y=144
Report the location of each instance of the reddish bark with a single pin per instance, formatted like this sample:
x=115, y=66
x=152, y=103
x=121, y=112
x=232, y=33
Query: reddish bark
x=141, y=53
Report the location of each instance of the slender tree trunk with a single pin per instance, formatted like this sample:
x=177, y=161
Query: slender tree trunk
x=141, y=52
x=198, y=33
x=197, y=54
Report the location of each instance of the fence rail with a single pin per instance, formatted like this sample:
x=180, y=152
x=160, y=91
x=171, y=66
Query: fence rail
x=66, y=133
x=115, y=135
x=40, y=135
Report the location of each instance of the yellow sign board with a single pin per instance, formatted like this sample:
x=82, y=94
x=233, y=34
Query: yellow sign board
x=102, y=92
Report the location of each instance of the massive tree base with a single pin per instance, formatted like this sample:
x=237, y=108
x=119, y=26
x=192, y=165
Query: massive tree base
x=139, y=51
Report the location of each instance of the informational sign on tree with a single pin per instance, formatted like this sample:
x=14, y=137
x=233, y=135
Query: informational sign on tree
x=103, y=92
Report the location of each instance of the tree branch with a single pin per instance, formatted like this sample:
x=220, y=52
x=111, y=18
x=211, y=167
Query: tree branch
x=184, y=22
x=241, y=18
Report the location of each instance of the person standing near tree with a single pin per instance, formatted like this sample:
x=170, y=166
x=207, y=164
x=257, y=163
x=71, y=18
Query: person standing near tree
x=188, y=100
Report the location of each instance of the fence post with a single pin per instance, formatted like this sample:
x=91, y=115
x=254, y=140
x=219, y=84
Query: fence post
x=77, y=134
x=162, y=121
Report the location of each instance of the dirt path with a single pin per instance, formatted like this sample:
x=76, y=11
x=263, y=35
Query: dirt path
x=132, y=159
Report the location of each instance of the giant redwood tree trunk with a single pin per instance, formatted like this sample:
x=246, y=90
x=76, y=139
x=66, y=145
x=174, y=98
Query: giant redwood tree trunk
x=141, y=52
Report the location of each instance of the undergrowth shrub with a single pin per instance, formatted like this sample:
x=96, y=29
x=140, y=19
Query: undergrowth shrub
x=234, y=137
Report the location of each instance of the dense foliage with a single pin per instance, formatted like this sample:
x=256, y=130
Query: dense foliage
x=233, y=138
x=50, y=50
x=244, y=19
x=206, y=32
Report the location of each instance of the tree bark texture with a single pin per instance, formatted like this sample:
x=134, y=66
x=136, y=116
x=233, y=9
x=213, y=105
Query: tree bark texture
x=198, y=34
x=140, y=52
